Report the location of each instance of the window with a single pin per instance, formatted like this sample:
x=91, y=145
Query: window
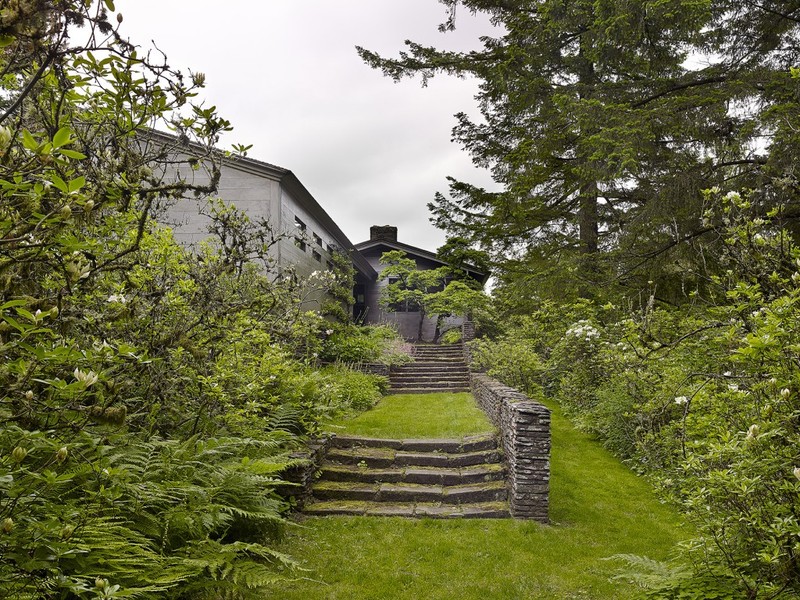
x=331, y=248
x=299, y=224
x=318, y=240
x=300, y=243
x=317, y=256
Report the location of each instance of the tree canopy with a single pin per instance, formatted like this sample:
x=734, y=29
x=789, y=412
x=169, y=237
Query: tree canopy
x=604, y=121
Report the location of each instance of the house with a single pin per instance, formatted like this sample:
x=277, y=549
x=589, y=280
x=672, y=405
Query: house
x=406, y=319
x=306, y=236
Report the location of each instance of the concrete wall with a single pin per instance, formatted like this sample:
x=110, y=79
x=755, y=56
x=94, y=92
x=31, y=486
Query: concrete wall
x=318, y=242
x=256, y=195
x=262, y=197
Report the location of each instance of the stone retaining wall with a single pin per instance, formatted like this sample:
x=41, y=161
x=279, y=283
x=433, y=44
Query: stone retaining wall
x=525, y=438
x=302, y=476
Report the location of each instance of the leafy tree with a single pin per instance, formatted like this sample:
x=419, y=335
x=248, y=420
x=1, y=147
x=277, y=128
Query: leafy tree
x=149, y=396
x=429, y=291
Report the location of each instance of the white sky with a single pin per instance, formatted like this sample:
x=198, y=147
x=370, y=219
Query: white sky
x=287, y=76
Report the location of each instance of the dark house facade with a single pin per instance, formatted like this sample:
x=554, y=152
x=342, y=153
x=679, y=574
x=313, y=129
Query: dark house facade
x=406, y=319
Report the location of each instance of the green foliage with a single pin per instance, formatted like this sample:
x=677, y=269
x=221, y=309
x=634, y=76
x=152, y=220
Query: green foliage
x=365, y=344
x=340, y=303
x=150, y=396
x=700, y=397
x=429, y=291
x=118, y=513
x=601, y=124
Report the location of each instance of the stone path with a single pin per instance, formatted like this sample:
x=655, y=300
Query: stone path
x=439, y=478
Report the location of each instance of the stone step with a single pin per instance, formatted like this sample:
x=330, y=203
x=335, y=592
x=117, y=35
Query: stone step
x=483, y=510
x=437, y=384
x=430, y=375
x=471, y=443
x=390, y=457
x=421, y=475
x=490, y=491
x=430, y=367
x=423, y=390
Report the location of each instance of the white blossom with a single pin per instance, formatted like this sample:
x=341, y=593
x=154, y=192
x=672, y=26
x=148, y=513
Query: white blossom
x=87, y=378
x=681, y=400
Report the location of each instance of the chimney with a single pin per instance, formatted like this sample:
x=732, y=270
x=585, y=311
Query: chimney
x=382, y=233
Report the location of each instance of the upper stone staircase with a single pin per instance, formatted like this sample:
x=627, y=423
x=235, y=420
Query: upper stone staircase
x=436, y=368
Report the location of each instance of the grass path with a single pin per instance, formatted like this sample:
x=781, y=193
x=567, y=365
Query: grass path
x=442, y=415
x=598, y=508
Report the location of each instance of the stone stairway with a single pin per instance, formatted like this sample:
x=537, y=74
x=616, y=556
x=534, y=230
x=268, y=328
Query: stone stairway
x=412, y=478
x=436, y=368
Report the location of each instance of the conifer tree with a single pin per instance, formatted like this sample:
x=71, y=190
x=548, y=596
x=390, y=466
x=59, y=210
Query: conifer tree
x=602, y=123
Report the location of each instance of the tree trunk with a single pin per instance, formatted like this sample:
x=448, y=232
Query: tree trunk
x=587, y=219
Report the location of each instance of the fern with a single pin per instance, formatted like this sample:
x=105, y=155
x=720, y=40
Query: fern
x=675, y=581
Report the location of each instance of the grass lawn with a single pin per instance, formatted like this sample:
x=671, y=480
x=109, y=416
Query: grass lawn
x=442, y=415
x=598, y=508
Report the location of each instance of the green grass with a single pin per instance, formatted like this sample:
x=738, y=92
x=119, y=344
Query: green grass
x=598, y=508
x=443, y=415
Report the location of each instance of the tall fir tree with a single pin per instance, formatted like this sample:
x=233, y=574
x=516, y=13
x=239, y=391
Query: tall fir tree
x=602, y=123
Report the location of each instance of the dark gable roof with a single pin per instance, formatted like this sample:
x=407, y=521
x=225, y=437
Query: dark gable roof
x=293, y=185
x=414, y=251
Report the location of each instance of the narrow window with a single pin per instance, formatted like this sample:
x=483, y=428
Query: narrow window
x=318, y=240
x=317, y=256
x=299, y=224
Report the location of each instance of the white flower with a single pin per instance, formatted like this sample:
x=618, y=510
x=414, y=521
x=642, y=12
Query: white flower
x=796, y=472
x=329, y=332
x=733, y=196
x=681, y=400
x=785, y=393
x=117, y=298
x=752, y=432
x=87, y=379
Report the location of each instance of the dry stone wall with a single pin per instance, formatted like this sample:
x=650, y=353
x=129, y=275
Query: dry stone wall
x=524, y=427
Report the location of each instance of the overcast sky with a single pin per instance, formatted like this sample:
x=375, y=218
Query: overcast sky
x=287, y=76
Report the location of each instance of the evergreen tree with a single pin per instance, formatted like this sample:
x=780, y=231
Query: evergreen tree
x=602, y=123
